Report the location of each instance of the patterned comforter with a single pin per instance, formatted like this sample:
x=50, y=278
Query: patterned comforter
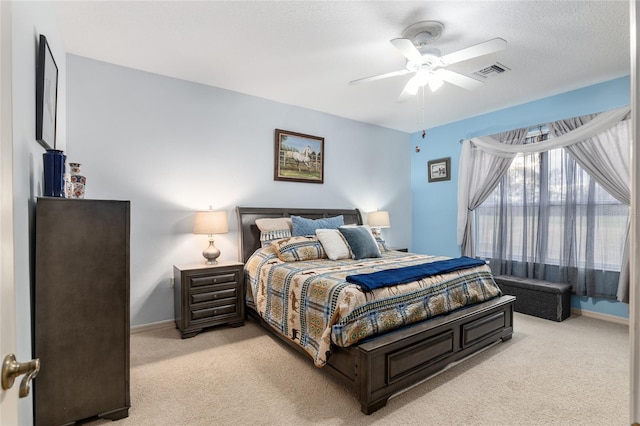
x=311, y=303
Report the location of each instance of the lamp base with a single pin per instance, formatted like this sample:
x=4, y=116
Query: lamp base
x=376, y=232
x=211, y=253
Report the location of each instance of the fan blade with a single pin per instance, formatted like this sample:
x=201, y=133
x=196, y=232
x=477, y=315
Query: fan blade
x=489, y=46
x=379, y=77
x=406, y=47
x=457, y=79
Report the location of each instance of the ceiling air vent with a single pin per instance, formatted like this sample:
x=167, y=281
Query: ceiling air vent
x=492, y=71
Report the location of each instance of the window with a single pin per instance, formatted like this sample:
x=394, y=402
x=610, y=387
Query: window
x=549, y=219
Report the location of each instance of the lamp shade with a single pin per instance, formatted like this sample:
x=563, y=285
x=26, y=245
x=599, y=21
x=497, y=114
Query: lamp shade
x=210, y=222
x=379, y=219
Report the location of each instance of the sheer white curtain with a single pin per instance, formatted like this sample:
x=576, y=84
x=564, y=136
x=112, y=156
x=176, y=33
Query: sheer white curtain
x=605, y=156
x=548, y=219
x=480, y=173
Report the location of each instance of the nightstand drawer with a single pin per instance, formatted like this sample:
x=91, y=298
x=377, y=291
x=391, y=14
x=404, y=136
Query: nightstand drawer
x=227, y=293
x=213, y=312
x=208, y=295
x=212, y=279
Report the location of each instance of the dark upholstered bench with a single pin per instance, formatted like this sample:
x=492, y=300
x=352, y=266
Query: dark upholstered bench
x=539, y=298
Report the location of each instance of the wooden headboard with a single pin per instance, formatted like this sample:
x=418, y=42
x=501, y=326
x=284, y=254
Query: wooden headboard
x=250, y=235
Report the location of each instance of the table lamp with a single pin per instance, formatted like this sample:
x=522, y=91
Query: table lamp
x=377, y=220
x=210, y=222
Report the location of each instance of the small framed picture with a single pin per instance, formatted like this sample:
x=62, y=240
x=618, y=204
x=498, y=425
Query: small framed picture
x=46, y=96
x=298, y=157
x=440, y=169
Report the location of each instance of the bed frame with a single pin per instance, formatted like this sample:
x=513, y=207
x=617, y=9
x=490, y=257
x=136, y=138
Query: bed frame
x=380, y=367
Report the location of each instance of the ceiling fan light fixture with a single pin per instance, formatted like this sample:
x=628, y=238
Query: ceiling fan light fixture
x=435, y=83
x=422, y=77
x=412, y=86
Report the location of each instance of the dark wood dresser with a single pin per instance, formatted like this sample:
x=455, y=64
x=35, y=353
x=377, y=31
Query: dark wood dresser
x=81, y=310
x=208, y=295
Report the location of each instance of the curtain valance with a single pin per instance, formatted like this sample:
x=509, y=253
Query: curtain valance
x=599, y=124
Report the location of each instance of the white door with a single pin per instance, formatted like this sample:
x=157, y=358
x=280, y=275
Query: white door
x=9, y=398
x=634, y=296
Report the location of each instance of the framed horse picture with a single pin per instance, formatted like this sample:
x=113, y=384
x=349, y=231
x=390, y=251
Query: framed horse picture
x=298, y=157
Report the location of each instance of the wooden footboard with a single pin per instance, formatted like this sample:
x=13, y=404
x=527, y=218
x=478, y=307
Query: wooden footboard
x=385, y=365
x=382, y=366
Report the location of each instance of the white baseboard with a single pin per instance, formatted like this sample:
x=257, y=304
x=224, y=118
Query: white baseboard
x=153, y=326
x=600, y=316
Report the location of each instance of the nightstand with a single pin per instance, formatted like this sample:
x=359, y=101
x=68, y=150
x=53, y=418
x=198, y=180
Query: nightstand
x=208, y=295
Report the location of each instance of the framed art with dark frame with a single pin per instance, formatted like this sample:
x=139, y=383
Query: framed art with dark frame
x=46, y=96
x=298, y=157
x=439, y=170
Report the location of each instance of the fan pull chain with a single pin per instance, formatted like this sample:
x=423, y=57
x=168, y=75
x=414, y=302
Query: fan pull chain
x=422, y=109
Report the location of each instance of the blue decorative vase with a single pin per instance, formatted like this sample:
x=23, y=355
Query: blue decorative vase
x=54, y=173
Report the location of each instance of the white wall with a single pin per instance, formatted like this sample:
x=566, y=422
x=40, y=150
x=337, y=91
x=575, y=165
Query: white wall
x=29, y=20
x=173, y=147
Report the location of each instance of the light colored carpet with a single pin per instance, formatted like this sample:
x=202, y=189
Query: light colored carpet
x=569, y=373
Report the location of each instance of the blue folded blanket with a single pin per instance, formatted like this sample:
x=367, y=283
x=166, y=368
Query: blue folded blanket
x=407, y=274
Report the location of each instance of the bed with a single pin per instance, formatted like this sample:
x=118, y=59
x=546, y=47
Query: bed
x=387, y=355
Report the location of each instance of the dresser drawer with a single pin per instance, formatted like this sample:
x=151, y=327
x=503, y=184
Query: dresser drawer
x=214, y=295
x=200, y=281
x=214, y=312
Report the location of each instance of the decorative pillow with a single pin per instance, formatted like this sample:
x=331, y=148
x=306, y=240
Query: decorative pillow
x=274, y=224
x=298, y=248
x=304, y=226
x=273, y=229
x=361, y=241
x=334, y=244
x=267, y=237
x=382, y=244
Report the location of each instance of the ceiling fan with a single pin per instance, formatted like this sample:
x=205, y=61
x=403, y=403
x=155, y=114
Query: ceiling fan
x=426, y=62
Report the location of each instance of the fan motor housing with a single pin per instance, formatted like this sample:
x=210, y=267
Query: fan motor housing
x=423, y=32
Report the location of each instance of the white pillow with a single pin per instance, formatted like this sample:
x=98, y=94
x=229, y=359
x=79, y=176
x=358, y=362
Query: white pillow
x=334, y=244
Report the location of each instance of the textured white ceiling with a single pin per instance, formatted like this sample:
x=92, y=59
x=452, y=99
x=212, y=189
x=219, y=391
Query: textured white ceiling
x=305, y=52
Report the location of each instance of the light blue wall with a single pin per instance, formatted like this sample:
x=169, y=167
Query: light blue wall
x=173, y=147
x=435, y=204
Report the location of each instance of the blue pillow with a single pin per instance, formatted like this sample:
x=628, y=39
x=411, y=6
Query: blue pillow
x=301, y=226
x=362, y=243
